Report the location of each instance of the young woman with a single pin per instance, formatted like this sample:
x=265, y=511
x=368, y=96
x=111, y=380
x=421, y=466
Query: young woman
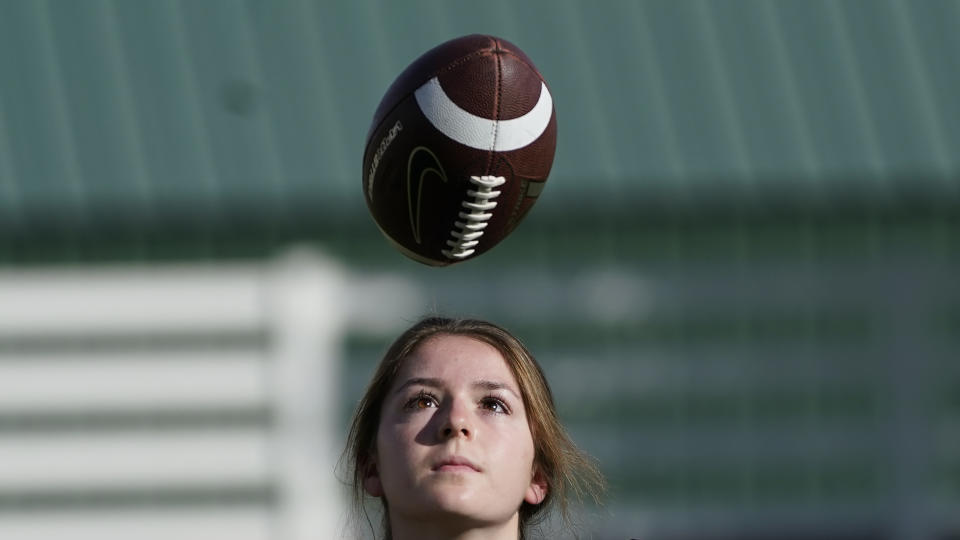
x=458, y=437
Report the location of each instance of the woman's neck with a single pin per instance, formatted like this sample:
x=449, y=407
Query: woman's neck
x=410, y=529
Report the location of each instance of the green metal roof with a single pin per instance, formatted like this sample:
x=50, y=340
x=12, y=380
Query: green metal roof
x=159, y=112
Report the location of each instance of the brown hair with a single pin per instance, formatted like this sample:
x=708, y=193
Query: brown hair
x=567, y=471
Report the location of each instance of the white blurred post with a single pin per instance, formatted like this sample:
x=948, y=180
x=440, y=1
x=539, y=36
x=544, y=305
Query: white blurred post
x=307, y=312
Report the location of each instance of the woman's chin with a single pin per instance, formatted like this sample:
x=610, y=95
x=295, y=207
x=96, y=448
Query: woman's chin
x=451, y=496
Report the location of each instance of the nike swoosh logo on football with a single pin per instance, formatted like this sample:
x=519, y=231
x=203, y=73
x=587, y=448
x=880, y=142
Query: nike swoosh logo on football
x=477, y=132
x=414, y=208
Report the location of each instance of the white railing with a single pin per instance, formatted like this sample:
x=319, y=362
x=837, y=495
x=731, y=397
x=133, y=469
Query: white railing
x=85, y=350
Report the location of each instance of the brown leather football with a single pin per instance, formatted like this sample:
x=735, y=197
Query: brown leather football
x=459, y=149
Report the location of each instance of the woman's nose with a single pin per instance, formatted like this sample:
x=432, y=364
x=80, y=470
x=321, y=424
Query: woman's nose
x=456, y=421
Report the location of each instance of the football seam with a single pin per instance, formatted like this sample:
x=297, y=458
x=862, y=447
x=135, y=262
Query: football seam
x=500, y=52
x=461, y=60
x=496, y=106
x=495, y=48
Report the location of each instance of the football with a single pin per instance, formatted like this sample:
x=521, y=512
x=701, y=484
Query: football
x=459, y=149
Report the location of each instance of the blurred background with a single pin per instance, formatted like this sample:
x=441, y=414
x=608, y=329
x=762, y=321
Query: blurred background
x=741, y=279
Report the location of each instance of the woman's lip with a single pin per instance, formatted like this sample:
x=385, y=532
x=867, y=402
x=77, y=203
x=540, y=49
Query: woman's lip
x=455, y=463
x=450, y=467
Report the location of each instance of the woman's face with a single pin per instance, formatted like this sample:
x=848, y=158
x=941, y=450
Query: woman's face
x=453, y=440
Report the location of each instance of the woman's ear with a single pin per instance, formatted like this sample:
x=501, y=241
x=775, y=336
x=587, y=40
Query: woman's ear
x=371, y=479
x=537, y=490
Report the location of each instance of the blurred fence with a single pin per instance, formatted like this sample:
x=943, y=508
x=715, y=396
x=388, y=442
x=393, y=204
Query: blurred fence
x=175, y=401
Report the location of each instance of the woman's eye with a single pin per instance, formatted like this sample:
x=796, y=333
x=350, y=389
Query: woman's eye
x=422, y=401
x=495, y=405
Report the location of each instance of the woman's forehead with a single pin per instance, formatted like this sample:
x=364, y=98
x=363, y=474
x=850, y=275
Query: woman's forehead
x=457, y=358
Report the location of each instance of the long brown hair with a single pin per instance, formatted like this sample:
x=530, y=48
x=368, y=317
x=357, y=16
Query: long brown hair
x=569, y=472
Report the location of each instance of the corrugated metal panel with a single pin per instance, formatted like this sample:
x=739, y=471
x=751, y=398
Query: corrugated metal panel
x=138, y=112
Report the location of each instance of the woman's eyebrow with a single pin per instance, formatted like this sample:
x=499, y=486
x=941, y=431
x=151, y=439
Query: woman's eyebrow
x=495, y=385
x=421, y=381
x=437, y=383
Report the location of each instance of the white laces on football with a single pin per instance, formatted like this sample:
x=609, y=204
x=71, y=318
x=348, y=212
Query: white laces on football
x=467, y=232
